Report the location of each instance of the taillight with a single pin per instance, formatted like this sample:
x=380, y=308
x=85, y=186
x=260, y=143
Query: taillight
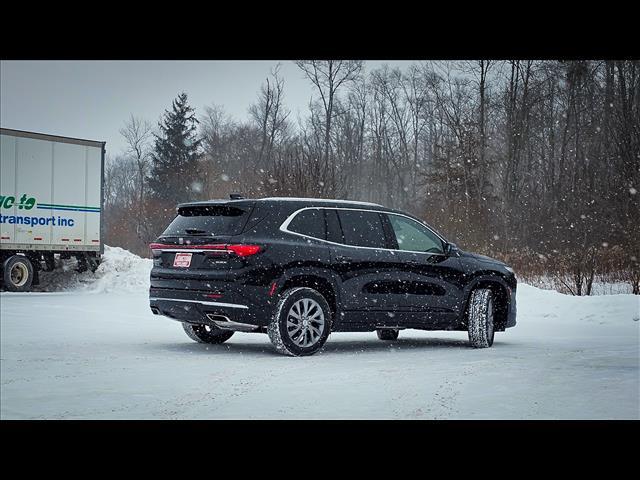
x=240, y=250
x=244, y=250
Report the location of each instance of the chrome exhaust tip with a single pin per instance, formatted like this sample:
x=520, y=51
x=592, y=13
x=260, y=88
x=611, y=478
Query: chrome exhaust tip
x=225, y=323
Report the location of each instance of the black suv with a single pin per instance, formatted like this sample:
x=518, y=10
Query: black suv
x=299, y=269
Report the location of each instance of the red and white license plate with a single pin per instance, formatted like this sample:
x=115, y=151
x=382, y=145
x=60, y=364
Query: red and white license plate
x=182, y=260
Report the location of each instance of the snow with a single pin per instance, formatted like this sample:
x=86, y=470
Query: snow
x=94, y=350
x=599, y=286
x=120, y=271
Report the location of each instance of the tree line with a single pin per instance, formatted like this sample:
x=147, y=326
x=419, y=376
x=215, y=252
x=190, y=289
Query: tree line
x=534, y=162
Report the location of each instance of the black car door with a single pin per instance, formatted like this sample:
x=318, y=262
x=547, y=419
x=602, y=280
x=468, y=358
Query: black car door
x=425, y=278
x=360, y=257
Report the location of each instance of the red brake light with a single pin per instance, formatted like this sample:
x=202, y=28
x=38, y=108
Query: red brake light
x=240, y=250
x=244, y=250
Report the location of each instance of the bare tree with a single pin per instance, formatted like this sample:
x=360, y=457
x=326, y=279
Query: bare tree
x=328, y=76
x=138, y=136
x=270, y=115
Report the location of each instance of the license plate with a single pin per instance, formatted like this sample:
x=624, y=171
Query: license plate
x=182, y=260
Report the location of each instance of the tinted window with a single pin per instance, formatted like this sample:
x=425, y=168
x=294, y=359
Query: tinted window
x=211, y=220
x=413, y=236
x=362, y=229
x=310, y=223
x=334, y=232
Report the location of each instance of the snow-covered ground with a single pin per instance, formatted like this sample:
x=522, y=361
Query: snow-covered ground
x=96, y=351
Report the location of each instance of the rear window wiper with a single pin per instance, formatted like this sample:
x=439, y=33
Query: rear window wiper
x=195, y=231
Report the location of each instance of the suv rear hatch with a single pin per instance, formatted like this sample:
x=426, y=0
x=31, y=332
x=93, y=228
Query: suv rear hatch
x=201, y=238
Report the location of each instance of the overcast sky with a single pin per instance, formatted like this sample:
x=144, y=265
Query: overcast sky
x=92, y=99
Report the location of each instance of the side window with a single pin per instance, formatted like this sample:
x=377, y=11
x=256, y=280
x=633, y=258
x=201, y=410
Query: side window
x=362, y=229
x=310, y=223
x=334, y=232
x=413, y=236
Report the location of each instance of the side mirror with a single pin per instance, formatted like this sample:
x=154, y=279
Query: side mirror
x=451, y=248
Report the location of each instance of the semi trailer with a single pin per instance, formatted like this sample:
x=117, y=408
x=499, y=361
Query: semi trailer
x=51, y=199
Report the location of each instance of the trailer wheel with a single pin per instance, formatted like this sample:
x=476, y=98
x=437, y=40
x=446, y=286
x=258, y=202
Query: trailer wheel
x=83, y=265
x=50, y=262
x=94, y=263
x=17, y=273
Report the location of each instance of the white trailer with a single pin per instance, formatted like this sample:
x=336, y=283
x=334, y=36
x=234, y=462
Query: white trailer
x=50, y=204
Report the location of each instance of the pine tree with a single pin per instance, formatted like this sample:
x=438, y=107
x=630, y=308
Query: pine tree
x=174, y=167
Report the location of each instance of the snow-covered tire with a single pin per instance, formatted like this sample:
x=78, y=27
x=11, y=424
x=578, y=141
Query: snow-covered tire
x=298, y=336
x=387, y=334
x=17, y=274
x=206, y=334
x=480, y=318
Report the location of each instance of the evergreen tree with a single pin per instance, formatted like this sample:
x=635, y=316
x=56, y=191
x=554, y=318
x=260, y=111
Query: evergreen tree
x=174, y=169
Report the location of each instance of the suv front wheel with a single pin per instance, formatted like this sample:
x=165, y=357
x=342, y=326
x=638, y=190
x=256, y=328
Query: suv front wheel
x=480, y=318
x=301, y=322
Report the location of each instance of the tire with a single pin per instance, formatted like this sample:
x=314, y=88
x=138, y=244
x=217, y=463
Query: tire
x=206, y=334
x=93, y=263
x=480, y=318
x=301, y=322
x=387, y=334
x=50, y=263
x=17, y=274
x=83, y=266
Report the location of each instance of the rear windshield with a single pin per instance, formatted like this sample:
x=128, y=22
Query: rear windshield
x=210, y=220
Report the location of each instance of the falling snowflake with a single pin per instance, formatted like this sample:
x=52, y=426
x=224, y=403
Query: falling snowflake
x=196, y=186
x=224, y=177
x=632, y=191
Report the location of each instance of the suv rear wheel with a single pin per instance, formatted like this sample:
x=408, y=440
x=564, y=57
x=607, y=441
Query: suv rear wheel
x=480, y=316
x=301, y=322
x=206, y=333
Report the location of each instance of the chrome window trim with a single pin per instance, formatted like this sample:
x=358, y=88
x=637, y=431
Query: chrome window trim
x=289, y=219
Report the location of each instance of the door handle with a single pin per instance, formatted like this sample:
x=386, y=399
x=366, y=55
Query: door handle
x=344, y=259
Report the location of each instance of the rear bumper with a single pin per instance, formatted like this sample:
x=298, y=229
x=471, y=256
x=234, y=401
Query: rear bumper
x=200, y=308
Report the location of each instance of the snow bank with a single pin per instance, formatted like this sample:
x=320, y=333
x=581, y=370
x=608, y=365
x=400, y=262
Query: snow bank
x=120, y=271
x=601, y=285
x=549, y=306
